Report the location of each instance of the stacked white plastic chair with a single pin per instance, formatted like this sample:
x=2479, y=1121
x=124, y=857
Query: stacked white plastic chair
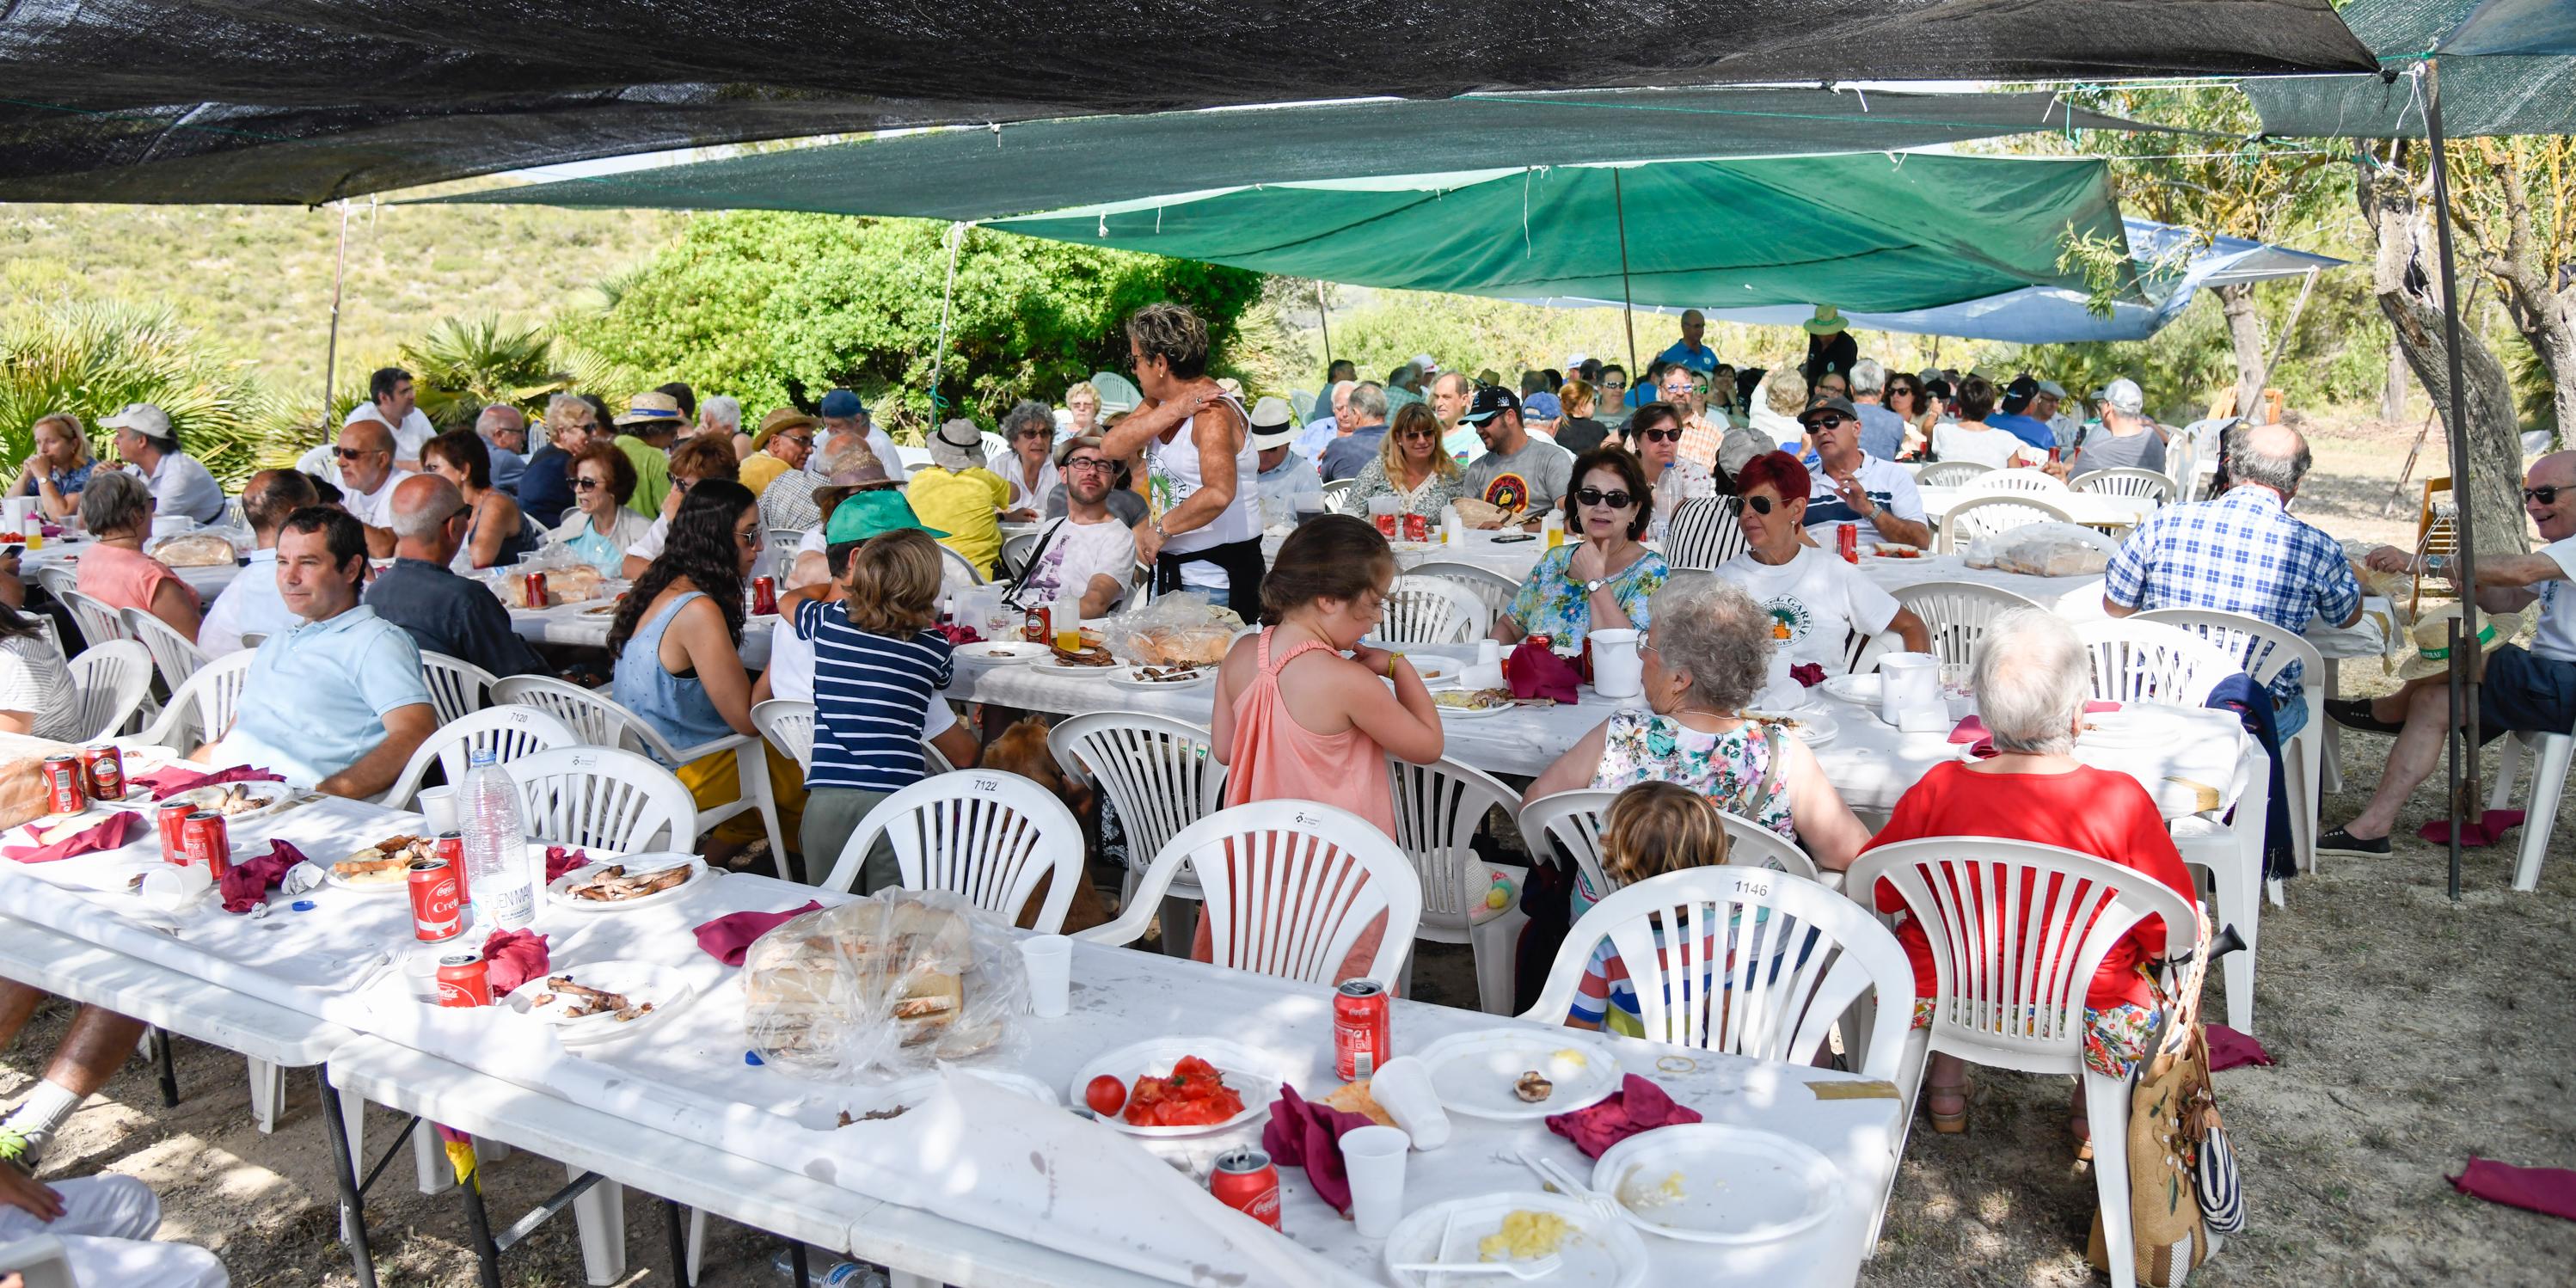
x=1438, y=808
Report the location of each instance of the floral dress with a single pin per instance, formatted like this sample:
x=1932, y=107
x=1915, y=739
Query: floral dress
x=1428, y=500
x=1728, y=768
x=1552, y=603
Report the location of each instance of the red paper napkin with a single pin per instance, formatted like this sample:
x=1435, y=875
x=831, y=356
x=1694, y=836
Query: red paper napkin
x=1301, y=1131
x=728, y=937
x=1533, y=672
x=2229, y=1048
x=1973, y=729
x=1638, y=1105
x=957, y=634
x=2487, y=830
x=1809, y=674
x=105, y=836
x=167, y=782
x=2540, y=1189
x=560, y=860
x=513, y=957
x=247, y=884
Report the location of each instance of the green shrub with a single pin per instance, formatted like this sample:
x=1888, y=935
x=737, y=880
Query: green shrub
x=91, y=358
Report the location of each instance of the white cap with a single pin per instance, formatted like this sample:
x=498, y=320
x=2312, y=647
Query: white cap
x=142, y=418
x=2053, y=389
x=1577, y=360
x=2124, y=395
x=1422, y=362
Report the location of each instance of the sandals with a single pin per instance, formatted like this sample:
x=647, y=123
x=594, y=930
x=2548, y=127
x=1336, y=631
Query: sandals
x=1950, y=1124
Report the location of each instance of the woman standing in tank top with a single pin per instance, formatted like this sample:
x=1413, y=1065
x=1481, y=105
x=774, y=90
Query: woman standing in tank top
x=1205, y=527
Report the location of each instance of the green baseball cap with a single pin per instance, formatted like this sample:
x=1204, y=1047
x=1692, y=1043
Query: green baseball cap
x=862, y=515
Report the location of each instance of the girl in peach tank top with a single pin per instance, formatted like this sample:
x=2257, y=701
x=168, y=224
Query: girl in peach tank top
x=1295, y=720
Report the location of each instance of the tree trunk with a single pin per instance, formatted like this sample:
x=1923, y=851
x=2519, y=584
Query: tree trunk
x=2542, y=313
x=2245, y=334
x=2392, y=403
x=2407, y=280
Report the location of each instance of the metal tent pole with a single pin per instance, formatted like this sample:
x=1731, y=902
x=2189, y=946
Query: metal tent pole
x=2281, y=345
x=947, y=297
x=1324, y=319
x=331, y=355
x=1627, y=302
x=2463, y=771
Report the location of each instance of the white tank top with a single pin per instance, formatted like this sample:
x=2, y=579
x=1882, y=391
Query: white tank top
x=1172, y=476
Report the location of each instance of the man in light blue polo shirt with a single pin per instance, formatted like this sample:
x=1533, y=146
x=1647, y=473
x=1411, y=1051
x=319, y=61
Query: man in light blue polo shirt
x=1688, y=351
x=338, y=702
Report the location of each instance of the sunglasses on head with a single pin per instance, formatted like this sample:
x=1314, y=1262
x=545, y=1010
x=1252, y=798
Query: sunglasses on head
x=1660, y=435
x=2541, y=495
x=1595, y=496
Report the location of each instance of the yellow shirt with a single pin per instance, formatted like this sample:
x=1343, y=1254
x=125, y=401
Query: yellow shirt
x=965, y=506
x=762, y=470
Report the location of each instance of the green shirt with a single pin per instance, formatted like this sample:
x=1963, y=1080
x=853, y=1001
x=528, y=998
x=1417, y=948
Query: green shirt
x=652, y=475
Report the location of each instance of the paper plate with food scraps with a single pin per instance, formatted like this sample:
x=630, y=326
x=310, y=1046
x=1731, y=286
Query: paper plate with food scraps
x=1093, y=659
x=382, y=868
x=1437, y=672
x=236, y=801
x=1472, y=704
x=624, y=885
x=998, y=652
x=1164, y=1088
x=602, y=1001
x=1719, y=1183
x=1523, y=1226
x=1520, y=1074
x=1160, y=677
x=1812, y=727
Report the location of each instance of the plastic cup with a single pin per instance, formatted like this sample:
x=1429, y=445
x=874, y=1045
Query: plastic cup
x=438, y=805
x=1049, y=959
x=1374, y=1159
x=1403, y=1089
x=171, y=888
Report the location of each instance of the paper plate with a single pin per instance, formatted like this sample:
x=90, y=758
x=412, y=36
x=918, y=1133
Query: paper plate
x=277, y=794
x=1245, y=1070
x=1716, y=1183
x=398, y=885
x=1596, y=1252
x=1473, y=1073
x=997, y=652
x=1812, y=727
x=1859, y=690
x=559, y=891
x=1048, y=664
x=1474, y=713
x=1436, y=672
x=666, y=989
x=1132, y=677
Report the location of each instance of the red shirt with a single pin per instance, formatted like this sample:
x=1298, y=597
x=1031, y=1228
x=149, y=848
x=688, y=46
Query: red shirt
x=2090, y=811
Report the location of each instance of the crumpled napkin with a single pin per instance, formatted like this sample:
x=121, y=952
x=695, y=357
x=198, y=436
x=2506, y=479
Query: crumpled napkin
x=106, y=836
x=728, y=938
x=1536, y=673
x=2229, y=1048
x=1302, y=1131
x=513, y=957
x=2550, y=1190
x=956, y=634
x=1973, y=729
x=1809, y=674
x=247, y=883
x=1638, y=1105
x=2486, y=830
x=164, y=783
x=560, y=860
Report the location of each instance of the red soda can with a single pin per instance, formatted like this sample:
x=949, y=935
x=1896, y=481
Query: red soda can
x=209, y=841
x=63, y=794
x=1386, y=526
x=103, y=772
x=1847, y=542
x=1038, y=626
x=1363, y=1029
x=2052, y=456
x=450, y=846
x=437, y=900
x=536, y=588
x=464, y=979
x=173, y=818
x=1417, y=527
x=1245, y=1180
x=764, y=596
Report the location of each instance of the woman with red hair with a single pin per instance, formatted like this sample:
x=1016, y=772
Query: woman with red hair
x=1818, y=601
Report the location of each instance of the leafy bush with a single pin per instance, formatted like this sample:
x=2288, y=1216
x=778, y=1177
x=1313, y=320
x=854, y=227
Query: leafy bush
x=92, y=358
x=462, y=366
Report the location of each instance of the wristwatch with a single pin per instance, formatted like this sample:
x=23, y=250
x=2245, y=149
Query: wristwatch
x=1594, y=585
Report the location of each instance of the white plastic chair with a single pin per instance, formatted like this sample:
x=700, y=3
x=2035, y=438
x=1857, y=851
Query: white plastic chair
x=981, y=833
x=1430, y=610
x=1703, y=533
x=2549, y=753
x=935, y=761
x=2014, y=481
x=57, y=580
x=1438, y=808
x=1492, y=589
x=1337, y=495
x=1016, y=551
x=456, y=686
x=1572, y=820
x=2264, y=651
x=508, y=732
x=603, y=798
x=1159, y=775
x=174, y=655
x=954, y=568
x=2182, y=465
x=2126, y=480
x=2231, y=849
x=1988, y=515
x=1950, y=473
x=40, y=1261
x=2014, y=947
x=603, y=721
x=206, y=704
x=112, y=679
x=2140, y=661
x=1956, y=613
x=788, y=724
x=98, y=623
x=1290, y=886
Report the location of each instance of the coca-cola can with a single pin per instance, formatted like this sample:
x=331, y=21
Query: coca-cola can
x=209, y=841
x=173, y=819
x=536, y=590
x=1417, y=527
x=464, y=979
x=1363, y=1029
x=451, y=847
x=437, y=900
x=1387, y=526
x=103, y=772
x=63, y=793
x=1245, y=1180
x=1847, y=542
x=764, y=595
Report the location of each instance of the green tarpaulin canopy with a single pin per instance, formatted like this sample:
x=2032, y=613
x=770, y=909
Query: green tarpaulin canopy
x=2524, y=91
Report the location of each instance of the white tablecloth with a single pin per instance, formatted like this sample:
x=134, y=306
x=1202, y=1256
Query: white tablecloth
x=65, y=552
x=576, y=624
x=2093, y=509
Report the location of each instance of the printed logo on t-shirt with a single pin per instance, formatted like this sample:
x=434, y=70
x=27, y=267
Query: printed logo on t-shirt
x=1508, y=491
x=1789, y=615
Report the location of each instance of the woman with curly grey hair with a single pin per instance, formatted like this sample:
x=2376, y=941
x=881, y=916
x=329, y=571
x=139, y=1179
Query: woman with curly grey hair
x=1704, y=658
x=1027, y=459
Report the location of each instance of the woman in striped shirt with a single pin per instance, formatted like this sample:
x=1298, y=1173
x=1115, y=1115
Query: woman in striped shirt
x=878, y=666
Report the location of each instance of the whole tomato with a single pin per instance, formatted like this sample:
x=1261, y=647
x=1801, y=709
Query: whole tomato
x=1106, y=1095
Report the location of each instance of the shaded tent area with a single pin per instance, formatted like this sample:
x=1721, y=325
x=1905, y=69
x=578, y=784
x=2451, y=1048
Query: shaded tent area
x=2170, y=272
x=2508, y=67
x=301, y=101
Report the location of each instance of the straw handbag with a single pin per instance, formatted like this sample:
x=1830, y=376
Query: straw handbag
x=2183, y=1188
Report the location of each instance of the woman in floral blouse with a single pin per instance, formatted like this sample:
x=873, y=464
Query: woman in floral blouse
x=1409, y=467
x=1603, y=578
x=1705, y=657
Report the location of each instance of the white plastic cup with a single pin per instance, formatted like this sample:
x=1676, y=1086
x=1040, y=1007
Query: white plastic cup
x=1373, y=1157
x=1049, y=959
x=1489, y=651
x=1618, y=670
x=438, y=805
x=175, y=889
x=18, y=510
x=1402, y=1087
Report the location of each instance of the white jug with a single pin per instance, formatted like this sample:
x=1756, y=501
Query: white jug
x=1617, y=670
x=1909, y=691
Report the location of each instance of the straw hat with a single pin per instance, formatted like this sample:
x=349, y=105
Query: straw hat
x=1828, y=321
x=779, y=422
x=2433, y=639
x=651, y=407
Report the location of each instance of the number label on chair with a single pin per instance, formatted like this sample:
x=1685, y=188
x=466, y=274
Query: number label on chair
x=987, y=785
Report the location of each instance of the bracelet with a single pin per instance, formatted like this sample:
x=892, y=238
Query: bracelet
x=1391, y=660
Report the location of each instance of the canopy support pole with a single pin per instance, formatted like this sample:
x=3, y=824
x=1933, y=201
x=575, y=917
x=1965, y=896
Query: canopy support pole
x=1324, y=319
x=2463, y=730
x=2281, y=343
x=947, y=297
x=331, y=354
x=1627, y=300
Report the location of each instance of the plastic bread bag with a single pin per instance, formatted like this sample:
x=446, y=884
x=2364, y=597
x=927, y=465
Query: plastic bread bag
x=2052, y=550
x=1981, y=551
x=884, y=986
x=1179, y=629
x=569, y=578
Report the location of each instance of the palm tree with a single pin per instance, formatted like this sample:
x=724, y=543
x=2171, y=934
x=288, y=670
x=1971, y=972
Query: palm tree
x=90, y=358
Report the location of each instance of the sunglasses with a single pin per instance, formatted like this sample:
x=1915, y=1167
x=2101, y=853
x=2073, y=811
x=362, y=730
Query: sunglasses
x=352, y=453
x=1035, y=433
x=1829, y=421
x=747, y=538
x=587, y=485
x=1660, y=435
x=1595, y=496
x=2541, y=495
x=1763, y=504
x=1418, y=436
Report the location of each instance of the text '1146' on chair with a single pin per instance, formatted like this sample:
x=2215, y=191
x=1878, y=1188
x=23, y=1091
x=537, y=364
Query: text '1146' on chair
x=509, y=732
x=989, y=836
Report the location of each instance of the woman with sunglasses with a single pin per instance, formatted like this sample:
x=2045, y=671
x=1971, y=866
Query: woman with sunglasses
x=1601, y=581
x=1410, y=467
x=1654, y=435
x=601, y=527
x=1905, y=397
x=1027, y=459
x=1822, y=602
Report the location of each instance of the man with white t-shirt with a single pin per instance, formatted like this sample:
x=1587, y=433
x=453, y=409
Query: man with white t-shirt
x=1818, y=600
x=392, y=403
x=1856, y=487
x=1089, y=552
x=367, y=477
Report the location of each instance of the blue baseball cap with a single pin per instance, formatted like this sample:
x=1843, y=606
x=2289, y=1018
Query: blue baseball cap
x=841, y=402
x=1543, y=407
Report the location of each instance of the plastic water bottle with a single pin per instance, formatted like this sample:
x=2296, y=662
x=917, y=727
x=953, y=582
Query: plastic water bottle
x=496, y=847
x=843, y=1274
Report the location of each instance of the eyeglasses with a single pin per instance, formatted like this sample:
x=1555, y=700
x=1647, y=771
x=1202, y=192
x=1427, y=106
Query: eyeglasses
x=801, y=440
x=1092, y=463
x=1035, y=433
x=587, y=485
x=1660, y=435
x=1418, y=436
x=1595, y=496
x=2541, y=495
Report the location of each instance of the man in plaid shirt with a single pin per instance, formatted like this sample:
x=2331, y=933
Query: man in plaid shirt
x=2241, y=552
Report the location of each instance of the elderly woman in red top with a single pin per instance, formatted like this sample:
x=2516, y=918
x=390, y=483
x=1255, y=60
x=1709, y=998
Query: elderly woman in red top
x=2030, y=678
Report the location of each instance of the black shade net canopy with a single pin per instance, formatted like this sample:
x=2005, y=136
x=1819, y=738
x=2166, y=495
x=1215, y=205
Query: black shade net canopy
x=303, y=101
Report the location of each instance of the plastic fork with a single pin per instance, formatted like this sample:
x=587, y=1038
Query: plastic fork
x=1602, y=1205
x=1522, y=1270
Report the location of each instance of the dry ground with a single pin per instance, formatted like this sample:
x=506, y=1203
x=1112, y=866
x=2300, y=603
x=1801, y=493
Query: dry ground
x=2411, y=1033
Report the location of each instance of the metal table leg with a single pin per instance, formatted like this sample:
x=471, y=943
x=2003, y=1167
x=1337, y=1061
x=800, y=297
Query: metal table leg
x=674, y=1228
x=353, y=1210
